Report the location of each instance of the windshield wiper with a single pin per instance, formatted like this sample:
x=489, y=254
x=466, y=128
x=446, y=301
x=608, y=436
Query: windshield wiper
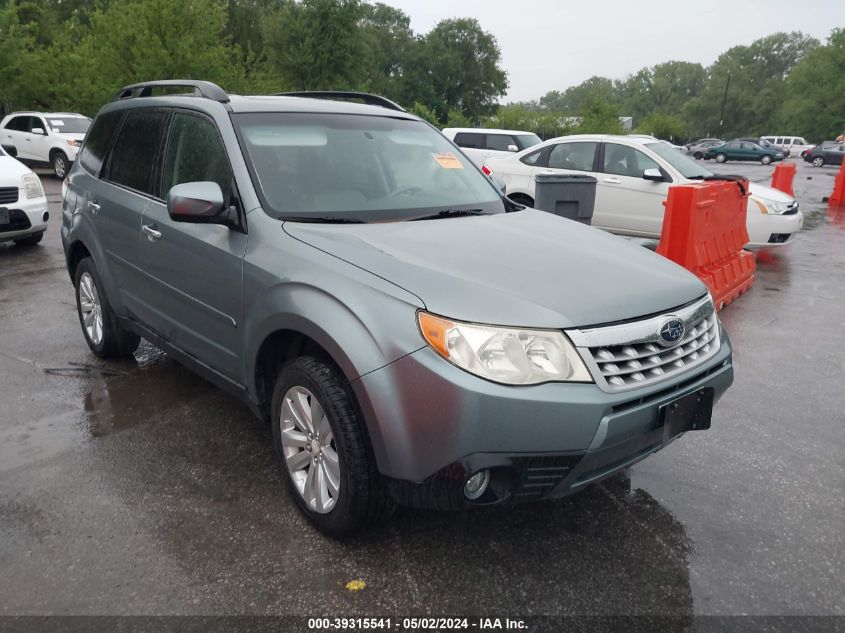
x=325, y=219
x=451, y=213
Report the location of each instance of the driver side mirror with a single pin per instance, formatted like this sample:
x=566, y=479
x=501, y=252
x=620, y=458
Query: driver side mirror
x=653, y=174
x=39, y=130
x=513, y=148
x=199, y=203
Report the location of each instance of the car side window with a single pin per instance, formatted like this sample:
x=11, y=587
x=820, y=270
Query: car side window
x=780, y=141
x=575, y=156
x=195, y=153
x=534, y=158
x=500, y=142
x=98, y=140
x=622, y=160
x=471, y=140
x=18, y=124
x=135, y=151
x=37, y=122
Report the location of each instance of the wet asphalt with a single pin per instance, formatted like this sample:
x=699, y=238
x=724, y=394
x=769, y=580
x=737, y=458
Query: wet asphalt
x=137, y=488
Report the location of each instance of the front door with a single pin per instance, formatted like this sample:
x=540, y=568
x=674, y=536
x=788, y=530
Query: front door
x=193, y=293
x=625, y=201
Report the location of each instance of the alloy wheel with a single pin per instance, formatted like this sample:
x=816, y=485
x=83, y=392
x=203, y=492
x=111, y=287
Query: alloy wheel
x=91, y=308
x=309, y=449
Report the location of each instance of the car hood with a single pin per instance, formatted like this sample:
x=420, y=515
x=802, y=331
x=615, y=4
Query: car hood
x=11, y=171
x=763, y=191
x=76, y=136
x=528, y=268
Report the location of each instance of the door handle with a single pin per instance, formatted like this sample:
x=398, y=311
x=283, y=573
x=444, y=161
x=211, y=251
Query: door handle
x=613, y=181
x=151, y=232
x=95, y=208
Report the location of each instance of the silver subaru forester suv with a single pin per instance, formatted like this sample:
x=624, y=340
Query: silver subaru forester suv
x=411, y=334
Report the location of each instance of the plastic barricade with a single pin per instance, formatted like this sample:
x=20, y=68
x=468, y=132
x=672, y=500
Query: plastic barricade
x=704, y=231
x=783, y=176
x=837, y=198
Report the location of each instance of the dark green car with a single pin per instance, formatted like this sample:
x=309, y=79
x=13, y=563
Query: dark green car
x=744, y=150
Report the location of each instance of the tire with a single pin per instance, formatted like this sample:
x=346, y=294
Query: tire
x=360, y=497
x=104, y=335
x=60, y=164
x=818, y=161
x=721, y=158
x=29, y=240
x=766, y=159
x=698, y=155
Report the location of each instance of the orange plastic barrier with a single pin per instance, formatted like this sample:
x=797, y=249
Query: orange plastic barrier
x=837, y=198
x=782, y=177
x=704, y=231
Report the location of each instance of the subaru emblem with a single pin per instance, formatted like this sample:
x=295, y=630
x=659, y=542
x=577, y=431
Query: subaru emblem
x=671, y=331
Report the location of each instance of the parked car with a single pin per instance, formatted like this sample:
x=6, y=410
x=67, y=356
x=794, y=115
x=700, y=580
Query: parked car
x=359, y=283
x=23, y=205
x=483, y=144
x=49, y=139
x=826, y=153
x=789, y=145
x=699, y=148
x=634, y=177
x=744, y=150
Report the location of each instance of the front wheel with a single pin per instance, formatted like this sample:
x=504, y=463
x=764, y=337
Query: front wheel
x=766, y=159
x=322, y=444
x=818, y=161
x=60, y=164
x=99, y=323
x=698, y=155
x=721, y=158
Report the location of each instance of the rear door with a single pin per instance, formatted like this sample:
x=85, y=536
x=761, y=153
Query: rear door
x=625, y=201
x=18, y=133
x=125, y=189
x=193, y=289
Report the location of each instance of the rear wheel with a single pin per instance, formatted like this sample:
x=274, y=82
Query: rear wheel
x=29, y=240
x=60, y=164
x=818, y=161
x=766, y=159
x=721, y=158
x=99, y=323
x=323, y=448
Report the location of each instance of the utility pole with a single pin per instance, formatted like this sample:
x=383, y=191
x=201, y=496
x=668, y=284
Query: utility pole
x=724, y=100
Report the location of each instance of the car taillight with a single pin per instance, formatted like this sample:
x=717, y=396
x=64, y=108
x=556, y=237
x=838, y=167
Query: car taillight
x=486, y=170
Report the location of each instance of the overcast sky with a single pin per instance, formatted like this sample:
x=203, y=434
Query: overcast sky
x=553, y=44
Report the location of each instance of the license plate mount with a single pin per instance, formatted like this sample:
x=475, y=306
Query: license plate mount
x=691, y=412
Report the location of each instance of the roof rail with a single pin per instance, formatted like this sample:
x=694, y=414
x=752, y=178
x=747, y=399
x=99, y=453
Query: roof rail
x=199, y=88
x=366, y=97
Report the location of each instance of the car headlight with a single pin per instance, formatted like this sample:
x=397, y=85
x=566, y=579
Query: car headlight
x=513, y=356
x=72, y=142
x=32, y=186
x=770, y=206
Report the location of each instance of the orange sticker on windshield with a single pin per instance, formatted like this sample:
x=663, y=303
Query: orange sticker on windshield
x=448, y=161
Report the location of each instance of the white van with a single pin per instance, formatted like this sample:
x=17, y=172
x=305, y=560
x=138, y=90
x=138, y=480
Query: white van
x=791, y=145
x=481, y=144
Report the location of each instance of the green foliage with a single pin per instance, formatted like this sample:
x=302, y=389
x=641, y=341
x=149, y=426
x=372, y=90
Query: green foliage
x=422, y=111
x=816, y=89
x=599, y=117
x=456, y=118
x=665, y=126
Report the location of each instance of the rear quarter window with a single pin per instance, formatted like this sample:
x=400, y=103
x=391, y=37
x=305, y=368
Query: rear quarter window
x=98, y=140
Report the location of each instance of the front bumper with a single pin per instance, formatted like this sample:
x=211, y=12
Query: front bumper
x=762, y=226
x=432, y=425
x=28, y=216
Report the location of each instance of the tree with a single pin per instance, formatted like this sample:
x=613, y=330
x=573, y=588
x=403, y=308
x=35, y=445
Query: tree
x=457, y=68
x=317, y=44
x=663, y=88
x=665, y=126
x=815, y=102
x=577, y=98
x=599, y=117
x=390, y=43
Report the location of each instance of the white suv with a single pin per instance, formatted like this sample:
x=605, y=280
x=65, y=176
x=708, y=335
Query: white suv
x=23, y=206
x=482, y=144
x=45, y=138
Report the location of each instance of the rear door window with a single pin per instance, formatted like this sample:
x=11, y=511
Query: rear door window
x=574, y=156
x=195, y=153
x=98, y=141
x=471, y=140
x=18, y=124
x=135, y=151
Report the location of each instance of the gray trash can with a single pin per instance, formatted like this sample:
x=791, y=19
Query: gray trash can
x=567, y=195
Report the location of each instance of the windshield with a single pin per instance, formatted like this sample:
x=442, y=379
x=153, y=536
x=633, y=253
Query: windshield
x=359, y=168
x=686, y=166
x=528, y=140
x=69, y=125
